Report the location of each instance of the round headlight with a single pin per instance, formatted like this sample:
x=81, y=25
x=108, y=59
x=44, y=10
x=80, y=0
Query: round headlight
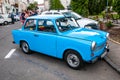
x=93, y=45
x=107, y=35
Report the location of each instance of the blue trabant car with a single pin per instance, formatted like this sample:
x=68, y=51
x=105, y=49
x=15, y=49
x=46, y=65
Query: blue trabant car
x=60, y=37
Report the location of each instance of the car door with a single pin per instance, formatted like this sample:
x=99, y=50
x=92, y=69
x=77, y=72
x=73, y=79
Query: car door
x=45, y=38
x=29, y=29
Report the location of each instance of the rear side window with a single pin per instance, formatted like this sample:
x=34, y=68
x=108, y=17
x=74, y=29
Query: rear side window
x=46, y=26
x=56, y=13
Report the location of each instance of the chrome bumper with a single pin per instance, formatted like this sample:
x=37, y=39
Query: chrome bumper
x=103, y=55
x=106, y=51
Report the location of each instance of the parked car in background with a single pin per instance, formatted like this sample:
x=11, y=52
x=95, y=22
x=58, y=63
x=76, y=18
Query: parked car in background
x=4, y=19
x=83, y=22
x=58, y=36
x=17, y=17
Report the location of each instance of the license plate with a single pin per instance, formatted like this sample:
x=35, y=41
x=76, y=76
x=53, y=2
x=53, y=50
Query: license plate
x=103, y=54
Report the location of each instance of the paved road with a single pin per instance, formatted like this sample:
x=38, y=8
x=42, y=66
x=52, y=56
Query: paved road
x=40, y=67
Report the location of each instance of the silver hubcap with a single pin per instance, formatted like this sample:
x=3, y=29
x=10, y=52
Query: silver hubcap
x=25, y=47
x=73, y=60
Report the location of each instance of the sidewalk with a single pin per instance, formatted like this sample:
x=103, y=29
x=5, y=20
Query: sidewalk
x=113, y=57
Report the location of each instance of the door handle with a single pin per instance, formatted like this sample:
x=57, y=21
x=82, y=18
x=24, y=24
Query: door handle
x=35, y=35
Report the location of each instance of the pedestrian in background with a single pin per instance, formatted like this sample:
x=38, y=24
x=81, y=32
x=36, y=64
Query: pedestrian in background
x=12, y=17
x=27, y=14
x=22, y=17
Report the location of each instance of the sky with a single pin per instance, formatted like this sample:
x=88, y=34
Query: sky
x=40, y=1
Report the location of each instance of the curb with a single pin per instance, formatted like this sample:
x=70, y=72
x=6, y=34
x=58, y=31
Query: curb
x=113, y=41
x=112, y=64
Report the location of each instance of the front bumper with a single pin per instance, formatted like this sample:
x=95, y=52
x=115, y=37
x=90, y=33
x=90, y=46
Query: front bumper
x=102, y=55
x=106, y=51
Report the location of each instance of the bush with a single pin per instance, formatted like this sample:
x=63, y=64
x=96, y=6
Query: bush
x=109, y=24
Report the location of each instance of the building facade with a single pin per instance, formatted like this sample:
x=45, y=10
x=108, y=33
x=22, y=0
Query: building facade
x=43, y=5
x=7, y=6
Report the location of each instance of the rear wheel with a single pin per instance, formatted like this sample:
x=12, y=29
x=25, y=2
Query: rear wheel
x=25, y=48
x=73, y=59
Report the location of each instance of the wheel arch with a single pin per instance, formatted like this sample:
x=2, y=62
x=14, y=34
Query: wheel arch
x=64, y=53
x=28, y=50
x=78, y=55
x=22, y=41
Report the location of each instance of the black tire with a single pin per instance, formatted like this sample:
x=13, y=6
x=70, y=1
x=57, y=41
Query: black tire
x=5, y=23
x=25, y=47
x=73, y=59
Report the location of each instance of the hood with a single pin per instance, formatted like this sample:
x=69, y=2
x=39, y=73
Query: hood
x=85, y=21
x=88, y=34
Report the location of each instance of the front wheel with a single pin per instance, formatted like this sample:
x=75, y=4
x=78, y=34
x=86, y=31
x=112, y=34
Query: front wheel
x=25, y=47
x=73, y=59
x=5, y=23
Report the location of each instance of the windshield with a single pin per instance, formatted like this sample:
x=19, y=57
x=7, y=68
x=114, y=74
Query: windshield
x=65, y=24
x=72, y=15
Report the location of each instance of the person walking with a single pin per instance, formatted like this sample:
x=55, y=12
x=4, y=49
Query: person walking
x=12, y=17
x=22, y=17
x=26, y=14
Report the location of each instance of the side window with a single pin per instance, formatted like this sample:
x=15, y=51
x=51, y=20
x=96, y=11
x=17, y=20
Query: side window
x=48, y=13
x=30, y=24
x=46, y=26
x=56, y=13
x=1, y=17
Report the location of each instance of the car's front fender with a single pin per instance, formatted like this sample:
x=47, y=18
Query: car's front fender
x=83, y=47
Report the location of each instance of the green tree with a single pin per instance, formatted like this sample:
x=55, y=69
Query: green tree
x=80, y=6
x=90, y=7
x=96, y=6
x=116, y=6
x=32, y=6
x=110, y=2
x=56, y=4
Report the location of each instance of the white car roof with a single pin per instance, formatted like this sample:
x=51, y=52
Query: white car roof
x=81, y=20
x=53, y=11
